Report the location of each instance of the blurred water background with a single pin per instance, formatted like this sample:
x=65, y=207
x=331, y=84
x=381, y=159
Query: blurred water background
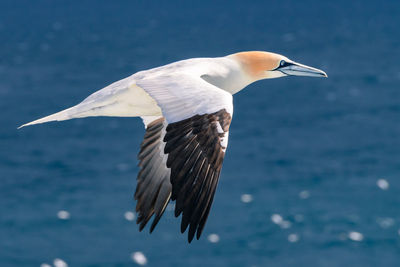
x=311, y=177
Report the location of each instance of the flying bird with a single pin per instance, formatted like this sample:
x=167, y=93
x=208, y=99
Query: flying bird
x=186, y=108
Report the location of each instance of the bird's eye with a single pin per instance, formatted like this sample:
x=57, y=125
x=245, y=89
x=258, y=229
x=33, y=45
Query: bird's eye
x=283, y=62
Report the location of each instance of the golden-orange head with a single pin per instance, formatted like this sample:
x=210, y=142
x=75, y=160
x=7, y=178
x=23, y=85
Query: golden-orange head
x=264, y=65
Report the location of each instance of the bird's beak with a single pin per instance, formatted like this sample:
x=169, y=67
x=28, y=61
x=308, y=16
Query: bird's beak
x=297, y=69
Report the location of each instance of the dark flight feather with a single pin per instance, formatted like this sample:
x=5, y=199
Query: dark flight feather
x=195, y=156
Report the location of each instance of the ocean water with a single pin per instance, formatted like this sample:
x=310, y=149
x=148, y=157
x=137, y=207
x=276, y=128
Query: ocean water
x=312, y=172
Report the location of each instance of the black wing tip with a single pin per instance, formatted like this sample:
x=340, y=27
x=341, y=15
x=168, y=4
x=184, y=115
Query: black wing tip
x=141, y=227
x=153, y=186
x=184, y=225
x=197, y=232
x=188, y=142
x=142, y=222
x=155, y=222
x=190, y=237
x=152, y=227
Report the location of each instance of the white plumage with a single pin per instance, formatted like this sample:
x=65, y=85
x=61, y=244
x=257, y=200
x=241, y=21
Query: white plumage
x=187, y=108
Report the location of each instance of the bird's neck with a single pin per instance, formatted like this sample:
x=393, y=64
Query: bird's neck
x=228, y=75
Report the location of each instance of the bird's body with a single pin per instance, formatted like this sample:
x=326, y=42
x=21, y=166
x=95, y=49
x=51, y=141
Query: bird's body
x=187, y=108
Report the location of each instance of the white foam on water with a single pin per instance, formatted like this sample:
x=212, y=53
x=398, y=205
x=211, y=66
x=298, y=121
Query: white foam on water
x=356, y=236
x=129, y=216
x=246, y=198
x=382, y=184
x=213, y=238
x=276, y=218
x=63, y=215
x=139, y=258
x=59, y=263
x=293, y=238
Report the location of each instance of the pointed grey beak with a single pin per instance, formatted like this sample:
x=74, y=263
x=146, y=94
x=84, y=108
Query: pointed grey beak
x=297, y=69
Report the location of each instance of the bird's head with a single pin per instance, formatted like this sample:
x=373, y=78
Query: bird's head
x=265, y=65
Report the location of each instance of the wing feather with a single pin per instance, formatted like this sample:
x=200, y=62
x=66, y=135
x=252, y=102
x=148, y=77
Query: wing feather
x=195, y=133
x=195, y=167
x=153, y=190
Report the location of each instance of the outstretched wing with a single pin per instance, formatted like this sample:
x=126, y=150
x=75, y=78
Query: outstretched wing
x=196, y=148
x=198, y=116
x=153, y=189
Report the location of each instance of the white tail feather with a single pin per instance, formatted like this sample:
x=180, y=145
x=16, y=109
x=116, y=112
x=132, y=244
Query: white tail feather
x=119, y=99
x=77, y=111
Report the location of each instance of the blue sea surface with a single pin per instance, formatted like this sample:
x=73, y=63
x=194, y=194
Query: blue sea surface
x=312, y=171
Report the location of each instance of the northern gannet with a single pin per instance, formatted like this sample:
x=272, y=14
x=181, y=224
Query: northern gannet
x=186, y=107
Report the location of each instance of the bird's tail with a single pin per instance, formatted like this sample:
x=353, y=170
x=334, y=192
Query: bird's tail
x=105, y=102
x=78, y=111
x=120, y=99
